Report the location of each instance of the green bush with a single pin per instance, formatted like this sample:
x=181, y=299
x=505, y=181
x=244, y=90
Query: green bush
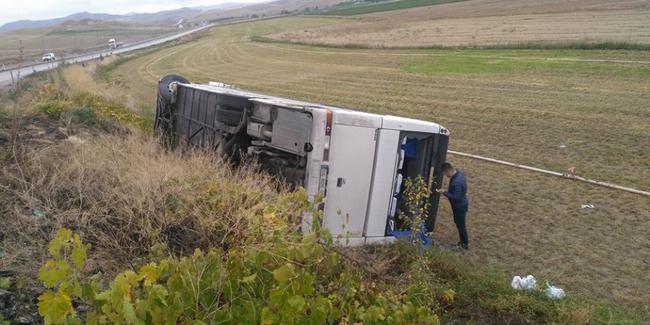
x=79, y=116
x=279, y=277
x=54, y=108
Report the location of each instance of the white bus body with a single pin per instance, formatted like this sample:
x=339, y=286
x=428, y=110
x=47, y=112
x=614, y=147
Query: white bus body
x=356, y=161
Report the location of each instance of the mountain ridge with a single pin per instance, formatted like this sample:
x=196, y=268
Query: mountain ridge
x=164, y=17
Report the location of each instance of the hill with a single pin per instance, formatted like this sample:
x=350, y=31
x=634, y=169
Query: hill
x=30, y=24
x=167, y=17
x=172, y=17
x=490, y=23
x=274, y=8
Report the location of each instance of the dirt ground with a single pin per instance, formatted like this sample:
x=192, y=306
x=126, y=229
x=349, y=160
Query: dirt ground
x=489, y=22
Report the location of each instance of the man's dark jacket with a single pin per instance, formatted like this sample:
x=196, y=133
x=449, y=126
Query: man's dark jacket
x=457, y=192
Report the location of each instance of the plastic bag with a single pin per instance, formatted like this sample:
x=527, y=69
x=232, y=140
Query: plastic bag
x=526, y=283
x=554, y=292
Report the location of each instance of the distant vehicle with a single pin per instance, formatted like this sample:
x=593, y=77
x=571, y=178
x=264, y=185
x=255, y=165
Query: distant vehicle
x=356, y=162
x=113, y=44
x=49, y=57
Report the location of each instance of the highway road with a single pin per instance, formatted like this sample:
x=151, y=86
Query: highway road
x=10, y=75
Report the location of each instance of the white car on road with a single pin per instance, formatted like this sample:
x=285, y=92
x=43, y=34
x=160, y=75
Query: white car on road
x=49, y=57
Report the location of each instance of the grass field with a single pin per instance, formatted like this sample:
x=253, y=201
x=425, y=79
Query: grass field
x=490, y=23
x=360, y=9
x=517, y=105
x=71, y=39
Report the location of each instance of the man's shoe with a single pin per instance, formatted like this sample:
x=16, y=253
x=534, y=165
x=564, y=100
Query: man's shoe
x=463, y=246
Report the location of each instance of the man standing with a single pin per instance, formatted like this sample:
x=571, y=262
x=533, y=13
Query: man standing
x=457, y=195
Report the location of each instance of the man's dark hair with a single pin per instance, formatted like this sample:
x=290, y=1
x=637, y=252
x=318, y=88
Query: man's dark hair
x=447, y=166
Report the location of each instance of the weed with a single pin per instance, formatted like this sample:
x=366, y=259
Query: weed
x=83, y=116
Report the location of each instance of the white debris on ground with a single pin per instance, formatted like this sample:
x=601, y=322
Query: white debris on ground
x=526, y=283
x=554, y=292
x=587, y=206
x=529, y=283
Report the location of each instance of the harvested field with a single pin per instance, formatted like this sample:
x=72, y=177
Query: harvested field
x=516, y=105
x=490, y=23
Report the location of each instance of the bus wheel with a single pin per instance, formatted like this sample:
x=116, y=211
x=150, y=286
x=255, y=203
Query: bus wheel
x=164, y=85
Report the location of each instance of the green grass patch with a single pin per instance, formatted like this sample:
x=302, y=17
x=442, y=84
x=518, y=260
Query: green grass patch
x=365, y=8
x=490, y=62
x=469, y=65
x=577, y=45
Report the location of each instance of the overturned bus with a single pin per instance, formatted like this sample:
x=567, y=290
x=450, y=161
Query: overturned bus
x=356, y=161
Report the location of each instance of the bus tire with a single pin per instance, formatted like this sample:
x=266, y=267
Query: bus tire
x=164, y=85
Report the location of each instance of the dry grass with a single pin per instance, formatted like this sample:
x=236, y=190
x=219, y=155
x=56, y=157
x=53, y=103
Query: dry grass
x=514, y=105
x=490, y=23
x=78, y=77
x=126, y=196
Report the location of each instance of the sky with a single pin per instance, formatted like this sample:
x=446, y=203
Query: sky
x=11, y=10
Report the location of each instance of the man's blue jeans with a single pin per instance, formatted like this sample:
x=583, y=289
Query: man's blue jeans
x=460, y=218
